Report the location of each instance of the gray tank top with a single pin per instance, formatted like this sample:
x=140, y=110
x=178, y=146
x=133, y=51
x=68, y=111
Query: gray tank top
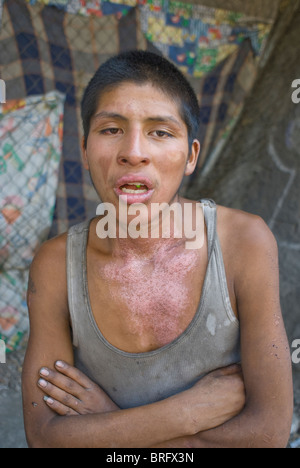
x=211, y=341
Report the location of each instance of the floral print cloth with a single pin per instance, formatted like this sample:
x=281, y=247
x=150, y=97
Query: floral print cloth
x=30, y=151
x=195, y=37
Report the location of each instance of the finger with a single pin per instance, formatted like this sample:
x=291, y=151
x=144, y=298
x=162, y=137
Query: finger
x=58, y=407
x=66, y=400
x=61, y=381
x=74, y=374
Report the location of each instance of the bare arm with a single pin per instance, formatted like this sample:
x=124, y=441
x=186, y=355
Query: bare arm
x=211, y=402
x=266, y=362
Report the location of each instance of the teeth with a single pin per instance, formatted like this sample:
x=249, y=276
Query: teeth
x=137, y=184
x=125, y=190
x=138, y=189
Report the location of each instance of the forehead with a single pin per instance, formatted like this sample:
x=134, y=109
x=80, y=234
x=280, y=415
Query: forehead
x=137, y=101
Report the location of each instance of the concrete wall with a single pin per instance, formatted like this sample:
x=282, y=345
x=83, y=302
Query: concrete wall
x=259, y=171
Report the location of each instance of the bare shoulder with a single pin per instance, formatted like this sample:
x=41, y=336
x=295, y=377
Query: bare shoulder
x=249, y=247
x=52, y=254
x=244, y=231
x=48, y=275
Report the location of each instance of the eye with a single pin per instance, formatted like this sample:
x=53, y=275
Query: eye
x=110, y=131
x=162, y=134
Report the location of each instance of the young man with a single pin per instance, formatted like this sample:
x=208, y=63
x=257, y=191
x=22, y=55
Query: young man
x=136, y=342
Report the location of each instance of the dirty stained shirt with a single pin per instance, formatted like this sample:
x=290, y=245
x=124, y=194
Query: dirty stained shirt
x=211, y=341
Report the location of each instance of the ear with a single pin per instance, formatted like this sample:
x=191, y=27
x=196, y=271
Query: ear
x=84, y=155
x=193, y=158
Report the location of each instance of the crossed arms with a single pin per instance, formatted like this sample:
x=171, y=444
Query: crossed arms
x=225, y=409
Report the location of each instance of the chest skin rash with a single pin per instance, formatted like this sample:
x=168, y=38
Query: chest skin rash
x=153, y=295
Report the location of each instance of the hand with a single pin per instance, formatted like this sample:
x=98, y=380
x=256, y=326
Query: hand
x=222, y=392
x=70, y=392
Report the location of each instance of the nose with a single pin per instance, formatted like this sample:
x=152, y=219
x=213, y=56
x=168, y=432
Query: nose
x=133, y=150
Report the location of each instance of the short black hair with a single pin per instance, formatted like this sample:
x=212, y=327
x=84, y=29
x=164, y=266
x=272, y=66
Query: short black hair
x=142, y=67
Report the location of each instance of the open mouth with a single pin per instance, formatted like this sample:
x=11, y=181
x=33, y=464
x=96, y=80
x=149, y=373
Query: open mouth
x=134, y=188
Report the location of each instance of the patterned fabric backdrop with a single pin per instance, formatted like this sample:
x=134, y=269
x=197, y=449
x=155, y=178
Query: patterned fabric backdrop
x=26, y=204
x=57, y=46
x=194, y=37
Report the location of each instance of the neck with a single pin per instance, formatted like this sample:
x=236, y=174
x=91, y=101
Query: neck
x=144, y=231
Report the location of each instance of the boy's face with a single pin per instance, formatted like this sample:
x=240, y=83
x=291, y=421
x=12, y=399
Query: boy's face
x=138, y=146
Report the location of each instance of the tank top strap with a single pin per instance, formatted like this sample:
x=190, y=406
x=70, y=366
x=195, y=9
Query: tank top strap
x=210, y=216
x=76, y=266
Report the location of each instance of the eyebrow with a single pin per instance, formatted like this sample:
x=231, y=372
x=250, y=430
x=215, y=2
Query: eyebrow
x=158, y=118
x=164, y=118
x=108, y=115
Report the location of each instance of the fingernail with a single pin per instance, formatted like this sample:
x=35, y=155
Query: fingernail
x=60, y=364
x=48, y=400
x=42, y=383
x=44, y=372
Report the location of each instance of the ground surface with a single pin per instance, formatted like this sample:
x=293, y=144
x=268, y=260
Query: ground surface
x=11, y=419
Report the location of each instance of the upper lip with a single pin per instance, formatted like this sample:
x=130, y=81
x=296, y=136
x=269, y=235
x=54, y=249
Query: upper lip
x=131, y=178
